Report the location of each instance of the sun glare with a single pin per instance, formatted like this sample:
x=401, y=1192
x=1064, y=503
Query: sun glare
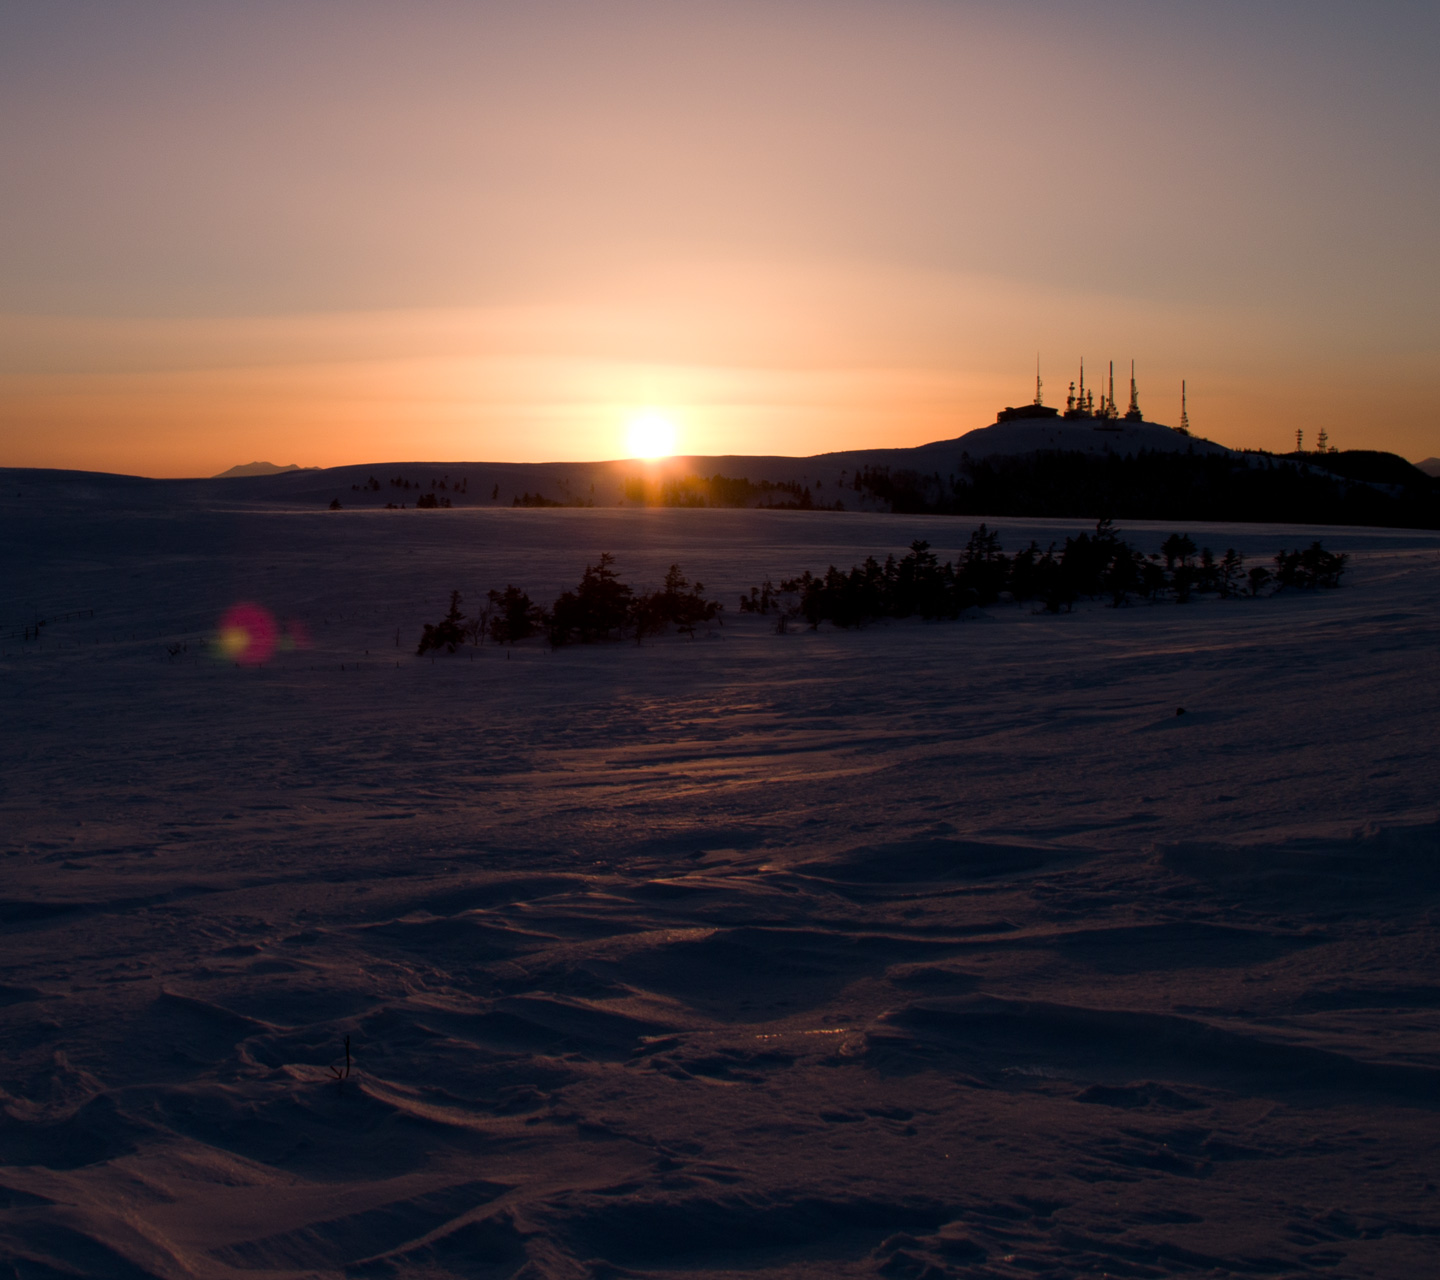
x=650, y=435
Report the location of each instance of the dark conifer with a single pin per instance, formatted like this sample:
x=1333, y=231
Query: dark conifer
x=678, y=603
x=516, y=616
x=1227, y=573
x=1313, y=567
x=983, y=569
x=596, y=610
x=448, y=633
x=1177, y=548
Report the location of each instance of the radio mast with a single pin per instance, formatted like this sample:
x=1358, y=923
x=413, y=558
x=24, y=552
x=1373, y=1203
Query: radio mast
x=1133, y=414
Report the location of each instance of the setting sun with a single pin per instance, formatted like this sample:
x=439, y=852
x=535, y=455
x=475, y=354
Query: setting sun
x=650, y=435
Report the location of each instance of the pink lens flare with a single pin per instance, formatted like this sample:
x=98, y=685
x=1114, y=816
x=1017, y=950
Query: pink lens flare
x=248, y=634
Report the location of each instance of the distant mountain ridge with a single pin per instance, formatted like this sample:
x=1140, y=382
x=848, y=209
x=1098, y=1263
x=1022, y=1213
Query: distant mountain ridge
x=1022, y=465
x=260, y=469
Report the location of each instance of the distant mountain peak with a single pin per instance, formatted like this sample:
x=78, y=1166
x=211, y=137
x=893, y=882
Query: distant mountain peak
x=260, y=469
x=1430, y=466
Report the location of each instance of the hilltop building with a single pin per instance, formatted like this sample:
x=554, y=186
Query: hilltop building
x=1036, y=408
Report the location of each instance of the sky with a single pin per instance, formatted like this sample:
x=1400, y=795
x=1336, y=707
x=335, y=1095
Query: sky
x=343, y=232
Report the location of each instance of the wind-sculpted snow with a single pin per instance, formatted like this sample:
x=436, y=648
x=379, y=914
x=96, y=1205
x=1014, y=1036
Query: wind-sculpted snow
x=924, y=950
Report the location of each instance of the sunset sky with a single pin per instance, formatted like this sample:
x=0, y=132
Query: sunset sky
x=345, y=232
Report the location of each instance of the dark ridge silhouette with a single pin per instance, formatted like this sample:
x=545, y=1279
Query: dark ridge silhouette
x=1373, y=466
x=1342, y=488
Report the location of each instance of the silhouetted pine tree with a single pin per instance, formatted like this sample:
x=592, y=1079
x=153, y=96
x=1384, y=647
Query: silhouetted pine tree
x=983, y=570
x=516, y=616
x=923, y=585
x=1259, y=578
x=1123, y=574
x=1025, y=574
x=1177, y=549
x=1227, y=575
x=597, y=609
x=1313, y=567
x=448, y=633
x=677, y=604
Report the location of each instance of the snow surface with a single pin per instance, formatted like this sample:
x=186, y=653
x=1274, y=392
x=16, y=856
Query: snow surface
x=926, y=950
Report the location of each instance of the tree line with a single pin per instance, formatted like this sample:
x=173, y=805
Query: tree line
x=725, y=491
x=1098, y=564
x=602, y=607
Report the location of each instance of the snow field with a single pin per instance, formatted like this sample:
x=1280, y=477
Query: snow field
x=929, y=949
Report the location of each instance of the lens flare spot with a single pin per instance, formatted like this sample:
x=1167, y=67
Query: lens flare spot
x=247, y=634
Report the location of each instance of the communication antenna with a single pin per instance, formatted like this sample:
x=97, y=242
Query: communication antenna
x=1184, y=413
x=1082, y=384
x=1039, y=386
x=1133, y=412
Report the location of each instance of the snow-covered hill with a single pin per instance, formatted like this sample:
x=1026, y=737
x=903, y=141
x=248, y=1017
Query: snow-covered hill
x=1082, y=435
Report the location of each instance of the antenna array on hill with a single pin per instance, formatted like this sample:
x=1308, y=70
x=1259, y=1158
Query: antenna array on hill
x=1080, y=403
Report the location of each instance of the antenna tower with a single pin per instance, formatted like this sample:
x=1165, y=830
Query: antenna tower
x=1110, y=394
x=1039, y=386
x=1184, y=413
x=1133, y=412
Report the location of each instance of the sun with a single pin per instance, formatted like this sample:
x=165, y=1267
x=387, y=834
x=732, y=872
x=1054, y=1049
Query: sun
x=650, y=435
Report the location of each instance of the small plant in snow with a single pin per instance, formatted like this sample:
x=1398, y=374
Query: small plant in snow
x=341, y=1075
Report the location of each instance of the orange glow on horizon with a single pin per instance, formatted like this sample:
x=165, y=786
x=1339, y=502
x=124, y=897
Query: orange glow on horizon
x=483, y=232
x=774, y=360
